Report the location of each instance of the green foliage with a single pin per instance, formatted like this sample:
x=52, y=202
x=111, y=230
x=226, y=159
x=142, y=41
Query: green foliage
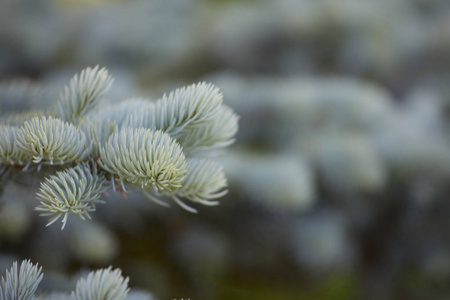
x=185, y=107
x=20, y=284
x=97, y=132
x=219, y=132
x=50, y=140
x=8, y=134
x=104, y=284
x=137, y=143
x=83, y=94
x=144, y=157
x=204, y=182
x=74, y=190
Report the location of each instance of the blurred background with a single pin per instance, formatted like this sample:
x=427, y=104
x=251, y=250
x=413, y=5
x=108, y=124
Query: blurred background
x=340, y=172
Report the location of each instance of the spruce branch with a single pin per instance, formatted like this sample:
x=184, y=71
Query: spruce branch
x=83, y=93
x=74, y=190
x=218, y=132
x=119, y=112
x=135, y=142
x=50, y=140
x=97, y=131
x=20, y=283
x=149, y=159
x=204, y=182
x=8, y=155
x=104, y=284
x=187, y=106
x=101, y=123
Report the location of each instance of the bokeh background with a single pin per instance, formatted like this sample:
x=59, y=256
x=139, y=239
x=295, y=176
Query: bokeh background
x=340, y=174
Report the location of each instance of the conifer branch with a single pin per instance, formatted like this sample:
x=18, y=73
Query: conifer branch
x=187, y=106
x=135, y=143
x=144, y=158
x=75, y=190
x=204, y=182
x=104, y=284
x=83, y=93
x=50, y=140
x=8, y=136
x=20, y=283
x=219, y=132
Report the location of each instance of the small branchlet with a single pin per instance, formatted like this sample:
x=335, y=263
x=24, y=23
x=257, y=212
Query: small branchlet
x=83, y=94
x=74, y=190
x=51, y=140
x=136, y=143
x=104, y=284
x=20, y=283
x=146, y=158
